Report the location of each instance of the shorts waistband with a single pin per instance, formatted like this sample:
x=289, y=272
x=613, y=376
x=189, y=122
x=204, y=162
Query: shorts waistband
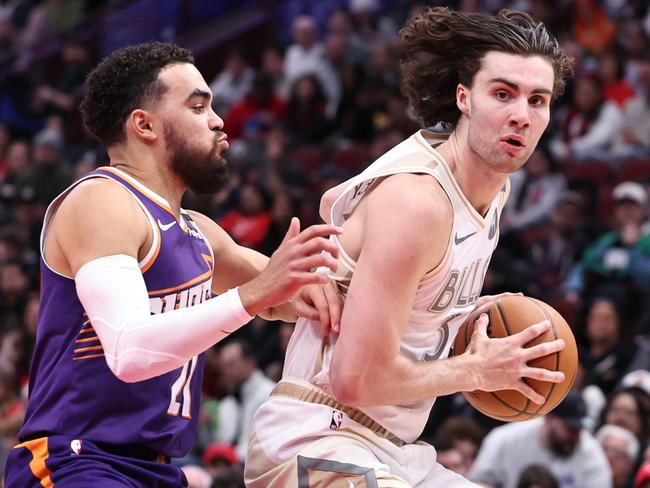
x=314, y=395
x=137, y=451
x=134, y=451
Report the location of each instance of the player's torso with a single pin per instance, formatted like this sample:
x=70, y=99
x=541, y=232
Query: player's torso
x=445, y=295
x=73, y=391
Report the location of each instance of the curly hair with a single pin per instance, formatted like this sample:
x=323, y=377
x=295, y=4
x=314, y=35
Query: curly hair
x=123, y=81
x=442, y=48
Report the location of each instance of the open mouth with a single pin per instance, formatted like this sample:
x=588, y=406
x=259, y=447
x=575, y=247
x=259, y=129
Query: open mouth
x=514, y=142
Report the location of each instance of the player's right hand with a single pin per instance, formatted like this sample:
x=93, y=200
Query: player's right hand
x=501, y=363
x=291, y=266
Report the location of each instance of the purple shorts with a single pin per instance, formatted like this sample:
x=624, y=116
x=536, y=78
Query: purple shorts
x=76, y=463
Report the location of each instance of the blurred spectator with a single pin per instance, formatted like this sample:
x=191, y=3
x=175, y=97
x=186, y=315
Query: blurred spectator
x=14, y=285
x=611, y=71
x=591, y=27
x=629, y=408
x=535, y=190
x=556, y=250
x=231, y=478
x=340, y=26
x=283, y=209
x=354, y=117
x=305, y=117
x=537, y=476
x=197, y=477
x=232, y=84
x=619, y=261
x=4, y=146
x=274, y=369
x=306, y=54
x=12, y=412
x=465, y=435
x=634, y=140
x=262, y=105
x=558, y=441
x=450, y=457
x=247, y=387
x=60, y=92
x=589, y=126
x=605, y=358
x=249, y=222
x=273, y=66
x=642, y=479
x=47, y=176
x=219, y=457
x=621, y=448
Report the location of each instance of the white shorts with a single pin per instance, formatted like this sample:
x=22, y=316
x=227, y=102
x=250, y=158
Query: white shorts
x=300, y=444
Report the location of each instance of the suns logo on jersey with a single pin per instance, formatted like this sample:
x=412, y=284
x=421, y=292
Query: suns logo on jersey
x=181, y=299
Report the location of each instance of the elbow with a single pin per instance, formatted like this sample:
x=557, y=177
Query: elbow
x=349, y=388
x=126, y=371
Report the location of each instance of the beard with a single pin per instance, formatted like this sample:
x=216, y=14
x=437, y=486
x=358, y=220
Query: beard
x=203, y=171
x=562, y=447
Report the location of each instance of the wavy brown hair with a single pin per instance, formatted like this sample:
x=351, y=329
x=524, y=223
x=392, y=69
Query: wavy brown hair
x=443, y=47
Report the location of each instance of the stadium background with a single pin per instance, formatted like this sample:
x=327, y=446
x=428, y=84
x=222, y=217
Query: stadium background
x=309, y=92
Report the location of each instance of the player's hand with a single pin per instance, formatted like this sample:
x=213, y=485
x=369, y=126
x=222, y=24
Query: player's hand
x=320, y=302
x=501, y=363
x=290, y=267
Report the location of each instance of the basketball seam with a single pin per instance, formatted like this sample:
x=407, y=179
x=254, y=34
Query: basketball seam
x=494, y=394
x=557, y=354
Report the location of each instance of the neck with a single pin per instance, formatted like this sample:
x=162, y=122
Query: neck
x=601, y=346
x=479, y=183
x=149, y=169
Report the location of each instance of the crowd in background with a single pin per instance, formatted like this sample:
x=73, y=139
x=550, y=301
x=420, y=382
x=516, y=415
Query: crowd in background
x=305, y=116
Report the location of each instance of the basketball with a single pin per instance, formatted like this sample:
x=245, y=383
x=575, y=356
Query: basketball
x=509, y=315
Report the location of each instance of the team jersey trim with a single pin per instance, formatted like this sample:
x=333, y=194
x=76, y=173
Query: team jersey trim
x=39, y=449
x=203, y=277
x=476, y=217
x=150, y=194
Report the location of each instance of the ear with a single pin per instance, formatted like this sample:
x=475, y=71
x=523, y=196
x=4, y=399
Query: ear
x=140, y=123
x=462, y=99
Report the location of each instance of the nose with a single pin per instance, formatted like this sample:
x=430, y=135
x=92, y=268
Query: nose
x=520, y=115
x=215, y=122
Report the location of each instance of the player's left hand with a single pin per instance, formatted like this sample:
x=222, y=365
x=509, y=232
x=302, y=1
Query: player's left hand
x=320, y=302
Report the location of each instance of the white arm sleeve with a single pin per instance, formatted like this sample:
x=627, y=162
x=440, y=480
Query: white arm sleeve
x=138, y=345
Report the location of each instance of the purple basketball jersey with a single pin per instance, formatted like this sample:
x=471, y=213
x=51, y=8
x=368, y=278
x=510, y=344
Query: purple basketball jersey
x=72, y=390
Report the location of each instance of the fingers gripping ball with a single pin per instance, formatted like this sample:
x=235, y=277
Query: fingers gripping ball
x=509, y=315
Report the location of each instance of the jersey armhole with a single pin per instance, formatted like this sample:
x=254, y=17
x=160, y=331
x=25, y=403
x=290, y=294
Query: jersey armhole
x=50, y=213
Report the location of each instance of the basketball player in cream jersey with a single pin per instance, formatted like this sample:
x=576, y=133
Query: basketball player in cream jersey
x=420, y=225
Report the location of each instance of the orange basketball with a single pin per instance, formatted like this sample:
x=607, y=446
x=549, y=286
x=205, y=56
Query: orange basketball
x=509, y=315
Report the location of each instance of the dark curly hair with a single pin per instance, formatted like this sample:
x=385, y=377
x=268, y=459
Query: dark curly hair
x=123, y=81
x=442, y=48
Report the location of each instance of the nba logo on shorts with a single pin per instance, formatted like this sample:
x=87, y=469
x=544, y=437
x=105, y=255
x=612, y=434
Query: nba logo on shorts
x=75, y=445
x=337, y=420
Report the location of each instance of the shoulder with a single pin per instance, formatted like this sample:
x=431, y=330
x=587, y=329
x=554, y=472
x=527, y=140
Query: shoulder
x=99, y=198
x=408, y=218
x=418, y=196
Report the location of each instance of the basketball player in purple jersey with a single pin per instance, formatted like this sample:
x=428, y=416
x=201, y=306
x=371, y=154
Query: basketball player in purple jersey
x=127, y=281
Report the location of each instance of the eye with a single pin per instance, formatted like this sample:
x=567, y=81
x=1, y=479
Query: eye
x=198, y=108
x=501, y=95
x=538, y=101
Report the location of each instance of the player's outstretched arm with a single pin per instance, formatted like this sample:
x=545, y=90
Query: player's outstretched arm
x=102, y=252
x=239, y=265
x=405, y=236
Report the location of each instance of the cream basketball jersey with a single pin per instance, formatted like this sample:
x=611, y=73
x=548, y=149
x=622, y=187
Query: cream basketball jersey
x=444, y=297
